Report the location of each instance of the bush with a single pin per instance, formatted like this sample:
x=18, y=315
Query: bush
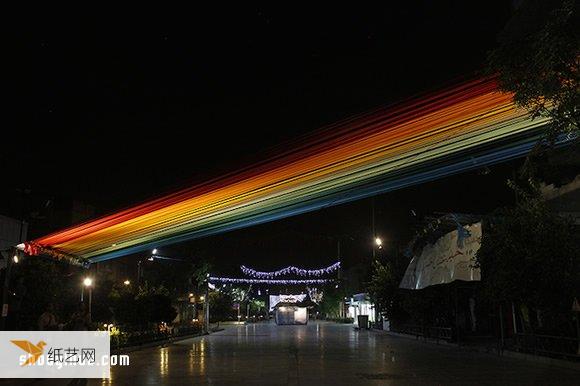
x=341, y=320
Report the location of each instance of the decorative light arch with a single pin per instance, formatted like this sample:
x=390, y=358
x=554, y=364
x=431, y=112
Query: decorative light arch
x=290, y=270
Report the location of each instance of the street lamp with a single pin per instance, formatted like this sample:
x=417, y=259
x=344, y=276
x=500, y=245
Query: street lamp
x=127, y=282
x=88, y=282
x=15, y=259
x=379, y=242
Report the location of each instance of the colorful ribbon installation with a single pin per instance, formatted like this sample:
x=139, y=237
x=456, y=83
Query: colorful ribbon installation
x=290, y=270
x=456, y=129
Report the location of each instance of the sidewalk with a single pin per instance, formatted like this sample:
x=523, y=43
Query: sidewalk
x=489, y=350
x=78, y=382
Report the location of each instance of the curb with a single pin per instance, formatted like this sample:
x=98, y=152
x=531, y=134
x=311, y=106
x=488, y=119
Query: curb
x=491, y=351
x=159, y=343
x=539, y=359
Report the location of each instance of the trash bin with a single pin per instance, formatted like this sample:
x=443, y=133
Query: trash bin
x=386, y=325
x=363, y=322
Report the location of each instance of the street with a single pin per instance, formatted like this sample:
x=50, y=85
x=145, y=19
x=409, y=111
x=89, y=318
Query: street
x=324, y=354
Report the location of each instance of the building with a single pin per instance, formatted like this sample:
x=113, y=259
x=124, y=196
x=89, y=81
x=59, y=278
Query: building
x=290, y=313
x=564, y=199
x=359, y=306
x=12, y=232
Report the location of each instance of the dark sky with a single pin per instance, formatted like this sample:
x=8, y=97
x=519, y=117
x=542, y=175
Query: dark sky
x=112, y=110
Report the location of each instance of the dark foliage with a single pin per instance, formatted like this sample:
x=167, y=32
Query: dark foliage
x=529, y=256
x=537, y=59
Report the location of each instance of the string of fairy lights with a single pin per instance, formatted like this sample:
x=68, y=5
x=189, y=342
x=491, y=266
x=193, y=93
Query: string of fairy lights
x=231, y=280
x=467, y=126
x=290, y=270
x=273, y=277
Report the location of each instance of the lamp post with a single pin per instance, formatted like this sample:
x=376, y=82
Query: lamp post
x=6, y=284
x=378, y=243
x=206, y=304
x=139, y=271
x=154, y=256
x=88, y=282
x=6, y=288
x=205, y=300
x=140, y=264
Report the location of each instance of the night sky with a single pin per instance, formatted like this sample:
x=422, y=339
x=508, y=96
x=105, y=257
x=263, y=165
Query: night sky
x=113, y=110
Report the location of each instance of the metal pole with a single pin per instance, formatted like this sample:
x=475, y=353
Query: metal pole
x=456, y=315
x=501, y=327
x=341, y=303
x=5, y=290
x=90, y=304
x=578, y=331
x=7, y=272
x=206, y=308
x=374, y=231
x=514, y=318
x=139, y=272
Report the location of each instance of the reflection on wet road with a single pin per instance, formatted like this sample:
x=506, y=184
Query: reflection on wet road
x=323, y=354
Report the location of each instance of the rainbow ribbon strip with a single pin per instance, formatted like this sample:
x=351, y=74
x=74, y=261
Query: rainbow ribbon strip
x=456, y=129
x=290, y=270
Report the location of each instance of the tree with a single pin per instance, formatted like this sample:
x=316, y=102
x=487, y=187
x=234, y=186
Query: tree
x=125, y=310
x=331, y=300
x=220, y=306
x=537, y=59
x=384, y=285
x=38, y=282
x=257, y=307
x=157, y=308
x=154, y=304
x=529, y=255
x=149, y=304
x=201, y=272
x=175, y=276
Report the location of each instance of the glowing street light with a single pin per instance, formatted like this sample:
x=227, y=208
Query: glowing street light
x=379, y=245
x=88, y=282
x=127, y=282
x=15, y=259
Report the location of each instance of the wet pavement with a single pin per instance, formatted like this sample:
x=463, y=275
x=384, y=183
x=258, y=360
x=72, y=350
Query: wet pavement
x=324, y=354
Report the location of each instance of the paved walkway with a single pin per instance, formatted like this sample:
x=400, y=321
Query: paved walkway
x=324, y=354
